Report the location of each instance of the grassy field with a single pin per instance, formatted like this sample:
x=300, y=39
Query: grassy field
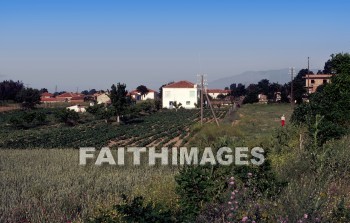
x=257, y=120
x=50, y=186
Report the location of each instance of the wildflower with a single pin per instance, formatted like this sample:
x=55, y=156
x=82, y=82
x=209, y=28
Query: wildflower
x=250, y=174
x=229, y=202
x=305, y=216
x=244, y=219
x=233, y=193
x=232, y=183
x=232, y=178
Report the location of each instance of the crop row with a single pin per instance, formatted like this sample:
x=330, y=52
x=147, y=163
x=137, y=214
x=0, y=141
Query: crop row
x=156, y=129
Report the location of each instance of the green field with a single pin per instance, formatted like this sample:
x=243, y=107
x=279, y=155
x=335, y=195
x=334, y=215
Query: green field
x=159, y=129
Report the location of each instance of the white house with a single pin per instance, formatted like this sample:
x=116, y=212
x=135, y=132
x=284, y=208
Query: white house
x=77, y=108
x=103, y=99
x=151, y=94
x=215, y=92
x=183, y=92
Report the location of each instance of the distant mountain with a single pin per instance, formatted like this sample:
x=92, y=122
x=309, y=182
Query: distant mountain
x=280, y=76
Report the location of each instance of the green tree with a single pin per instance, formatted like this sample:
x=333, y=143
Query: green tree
x=9, y=89
x=119, y=99
x=67, y=116
x=338, y=63
x=221, y=96
x=252, y=94
x=28, y=97
x=299, y=90
x=240, y=90
x=264, y=86
x=332, y=103
x=142, y=89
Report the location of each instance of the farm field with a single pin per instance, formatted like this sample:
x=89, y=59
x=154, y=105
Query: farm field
x=165, y=128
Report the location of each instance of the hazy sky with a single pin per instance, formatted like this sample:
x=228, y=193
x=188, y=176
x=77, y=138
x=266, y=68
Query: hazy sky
x=92, y=44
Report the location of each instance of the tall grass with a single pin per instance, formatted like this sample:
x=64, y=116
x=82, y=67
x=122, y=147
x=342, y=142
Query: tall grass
x=50, y=186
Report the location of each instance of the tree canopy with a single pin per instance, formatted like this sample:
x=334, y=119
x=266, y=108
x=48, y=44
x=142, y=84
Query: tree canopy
x=142, y=89
x=9, y=89
x=330, y=103
x=29, y=97
x=119, y=99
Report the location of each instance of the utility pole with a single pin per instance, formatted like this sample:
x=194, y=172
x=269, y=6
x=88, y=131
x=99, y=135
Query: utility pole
x=202, y=88
x=308, y=75
x=212, y=110
x=203, y=94
x=291, y=87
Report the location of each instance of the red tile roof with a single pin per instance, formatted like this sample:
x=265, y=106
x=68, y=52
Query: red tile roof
x=219, y=91
x=46, y=94
x=68, y=95
x=49, y=100
x=180, y=84
x=77, y=98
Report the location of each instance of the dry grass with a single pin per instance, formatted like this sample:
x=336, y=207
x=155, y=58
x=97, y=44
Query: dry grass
x=50, y=186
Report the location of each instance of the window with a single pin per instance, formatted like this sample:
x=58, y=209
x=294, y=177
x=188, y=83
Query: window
x=324, y=81
x=312, y=81
x=188, y=102
x=167, y=94
x=192, y=94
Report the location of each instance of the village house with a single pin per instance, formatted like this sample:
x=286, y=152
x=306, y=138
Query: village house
x=262, y=99
x=313, y=81
x=47, y=98
x=103, y=99
x=136, y=95
x=214, y=93
x=77, y=108
x=70, y=97
x=183, y=92
x=65, y=97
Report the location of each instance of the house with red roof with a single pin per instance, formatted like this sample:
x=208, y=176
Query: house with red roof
x=47, y=97
x=214, y=93
x=183, y=92
x=70, y=97
x=136, y=95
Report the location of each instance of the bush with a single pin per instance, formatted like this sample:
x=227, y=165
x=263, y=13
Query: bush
x=28, y=119
x=67, y=116
x=136, y=211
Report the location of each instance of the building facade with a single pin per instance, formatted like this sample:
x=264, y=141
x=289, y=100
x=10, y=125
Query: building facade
x=313, y=81
x=183, y=92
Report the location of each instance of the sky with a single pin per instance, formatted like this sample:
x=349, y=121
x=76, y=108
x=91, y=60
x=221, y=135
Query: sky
x=84, y=44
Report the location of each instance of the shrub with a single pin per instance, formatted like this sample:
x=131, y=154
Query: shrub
x=67, y=116
x=28, y=119
x=135, y=210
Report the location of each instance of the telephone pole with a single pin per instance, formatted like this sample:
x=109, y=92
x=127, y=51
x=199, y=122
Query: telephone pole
x=291, y=87
x=308, y=74
x=202, y=94
x=202, y=88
